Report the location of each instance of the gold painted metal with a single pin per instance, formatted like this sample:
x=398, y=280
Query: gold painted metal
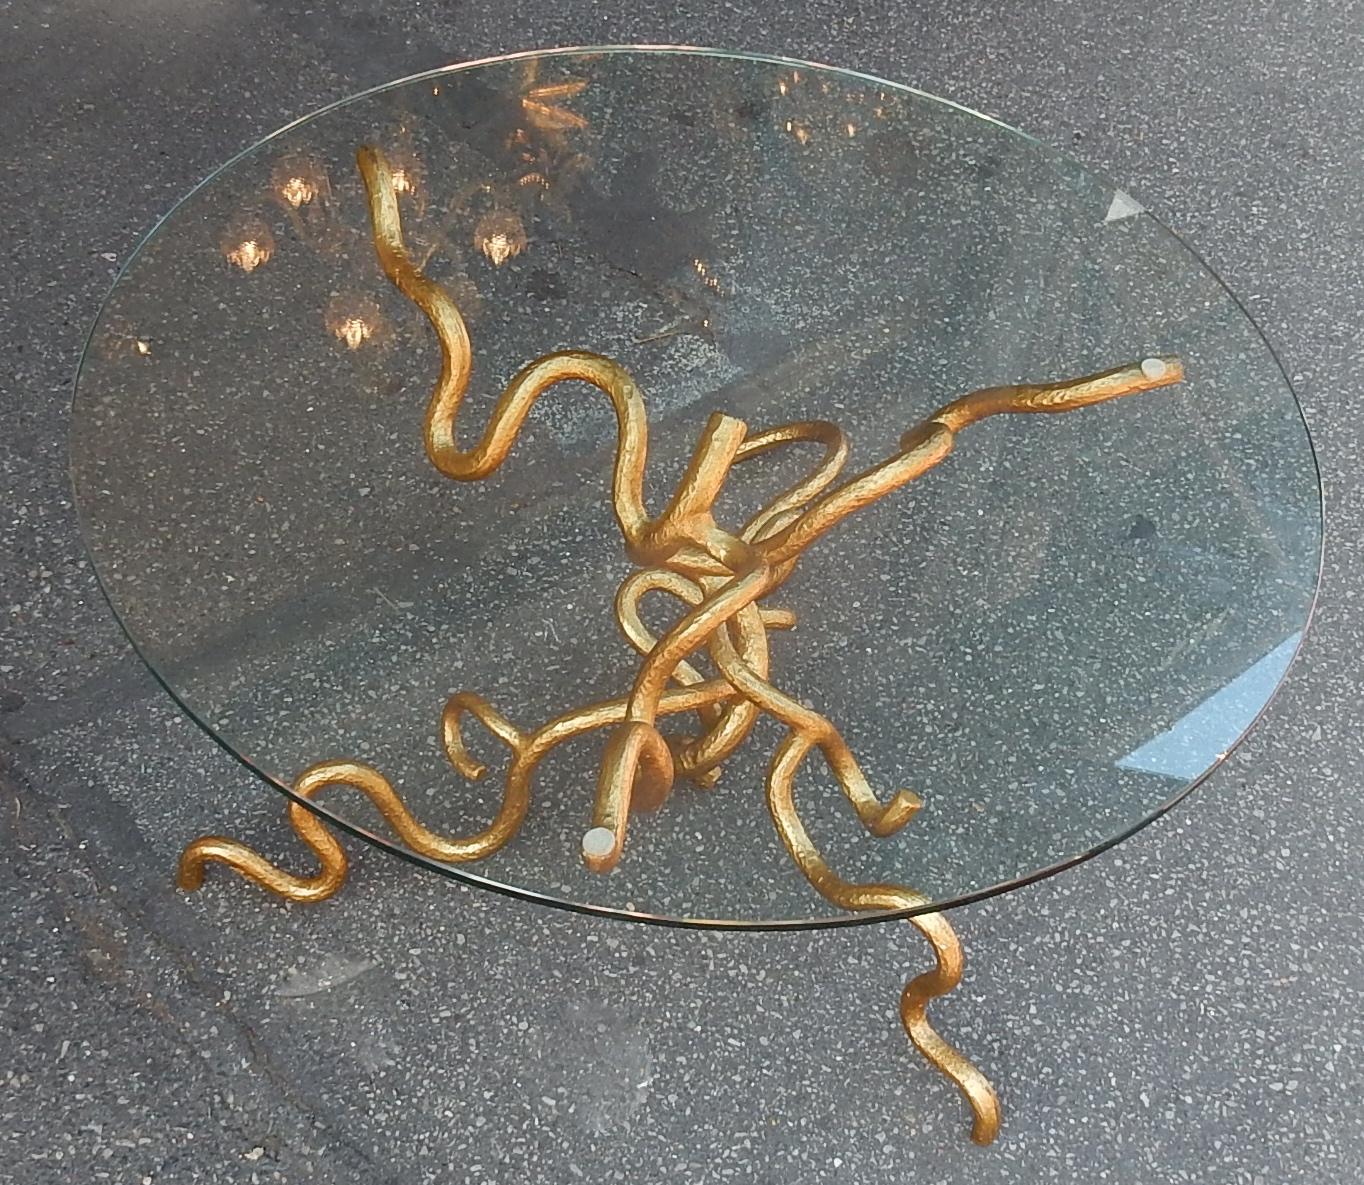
x=979, y=1094
x=719, y=577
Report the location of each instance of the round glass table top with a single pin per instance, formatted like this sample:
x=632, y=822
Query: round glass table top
x=1049, y=635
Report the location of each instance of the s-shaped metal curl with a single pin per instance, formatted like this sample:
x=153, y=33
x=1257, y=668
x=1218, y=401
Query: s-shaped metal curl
x=665, y=538
x=974, y=1086
x=527, y=749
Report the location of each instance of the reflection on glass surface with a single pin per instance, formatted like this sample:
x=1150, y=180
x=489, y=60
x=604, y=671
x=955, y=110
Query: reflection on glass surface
x=117, y=338
x=248, y=243
x=500, y=235
x=300, y=179
x=1205, y=735
x=767, y=239
x=354, y=319
x=544, y=103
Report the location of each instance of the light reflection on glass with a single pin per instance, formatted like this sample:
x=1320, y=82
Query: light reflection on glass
x=118, y=339
x=409, y=175
x=297, y=191
x=298, y=181
x=500, y=235
x=541, y=106
x=247, y=243
x=708, y=278
x=354, y=331
x=354, y=319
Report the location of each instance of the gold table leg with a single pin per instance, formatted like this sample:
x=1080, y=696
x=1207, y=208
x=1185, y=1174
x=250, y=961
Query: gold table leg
x=980, y=1095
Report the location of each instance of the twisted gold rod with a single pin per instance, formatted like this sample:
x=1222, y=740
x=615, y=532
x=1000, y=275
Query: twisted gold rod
x=974, y=1086
x=528, y=750
x=749, y=680
x=637, y=753
x=699, y=758
x=646, y=539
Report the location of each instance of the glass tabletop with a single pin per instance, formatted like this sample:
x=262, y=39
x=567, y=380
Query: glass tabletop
x=1043, y=640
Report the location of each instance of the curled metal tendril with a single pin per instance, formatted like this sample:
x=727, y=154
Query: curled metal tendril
x=720, y=579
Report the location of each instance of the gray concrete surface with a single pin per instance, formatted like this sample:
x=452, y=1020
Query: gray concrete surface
x=1184, y=1009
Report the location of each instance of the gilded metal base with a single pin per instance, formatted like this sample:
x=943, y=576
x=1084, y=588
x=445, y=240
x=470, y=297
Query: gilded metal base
x=719, y=578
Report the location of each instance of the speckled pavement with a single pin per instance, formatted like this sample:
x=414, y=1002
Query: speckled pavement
x=1186, y=1008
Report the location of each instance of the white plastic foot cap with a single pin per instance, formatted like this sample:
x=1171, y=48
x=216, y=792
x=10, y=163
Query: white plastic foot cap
x=598, y=842
x=1153, y=368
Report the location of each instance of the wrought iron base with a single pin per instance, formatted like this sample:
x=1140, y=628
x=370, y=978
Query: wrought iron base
x=719, y=577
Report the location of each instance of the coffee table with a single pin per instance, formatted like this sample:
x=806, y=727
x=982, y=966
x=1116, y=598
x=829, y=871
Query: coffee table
x=394, y=425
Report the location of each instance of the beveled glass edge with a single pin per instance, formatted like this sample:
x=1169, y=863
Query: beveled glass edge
x=458, y=873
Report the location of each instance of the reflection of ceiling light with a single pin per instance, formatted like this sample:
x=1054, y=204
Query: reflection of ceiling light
x=781, y=85
x=118, y=339
x=500, y=235
x=298, y=180
x=249, y=255
x=799, y=131
x=408, y=173
x=247, y=243
x=543, y=110
x=708, y=278
x=354, y=320
x=852, y=128
x=355, y=331
x=297, y=191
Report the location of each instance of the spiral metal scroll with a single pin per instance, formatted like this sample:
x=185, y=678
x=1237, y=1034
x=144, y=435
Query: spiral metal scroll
x=719, y=578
